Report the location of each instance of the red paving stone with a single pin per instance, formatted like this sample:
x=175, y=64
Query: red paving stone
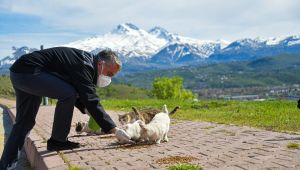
x=215, y=146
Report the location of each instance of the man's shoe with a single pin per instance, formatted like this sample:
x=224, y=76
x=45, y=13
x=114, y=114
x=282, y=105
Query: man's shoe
x=54, y=145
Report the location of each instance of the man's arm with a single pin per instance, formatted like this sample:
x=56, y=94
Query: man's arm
x=83, y=83
x=80, y=106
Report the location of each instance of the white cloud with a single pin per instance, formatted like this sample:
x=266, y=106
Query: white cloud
x=34, y=40
x=206, y=19
x=101, y=16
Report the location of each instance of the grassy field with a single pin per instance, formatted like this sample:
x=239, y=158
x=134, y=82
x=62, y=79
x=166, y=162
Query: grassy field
x=278, y=115
x=270, y=71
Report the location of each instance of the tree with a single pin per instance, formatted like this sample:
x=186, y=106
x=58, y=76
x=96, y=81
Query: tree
x=170, y=88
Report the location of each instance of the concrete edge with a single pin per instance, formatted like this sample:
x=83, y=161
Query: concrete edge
x=36, y=160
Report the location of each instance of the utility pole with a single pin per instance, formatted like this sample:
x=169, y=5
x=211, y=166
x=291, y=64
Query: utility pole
x=45, y=99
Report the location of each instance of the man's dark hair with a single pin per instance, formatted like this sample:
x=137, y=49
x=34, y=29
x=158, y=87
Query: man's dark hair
x=109, y=57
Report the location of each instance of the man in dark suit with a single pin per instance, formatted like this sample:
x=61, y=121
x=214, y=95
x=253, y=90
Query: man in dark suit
x=69, y=75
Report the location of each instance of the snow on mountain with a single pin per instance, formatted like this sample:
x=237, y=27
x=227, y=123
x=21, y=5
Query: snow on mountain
x=129, y=41
x=249, y=49
x=126, y=39
x=186, y=51
x=244, y=44
x=290, y=40
x=157, y=46
x=164, y=34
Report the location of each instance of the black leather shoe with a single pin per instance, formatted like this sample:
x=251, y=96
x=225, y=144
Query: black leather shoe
x=54, y=145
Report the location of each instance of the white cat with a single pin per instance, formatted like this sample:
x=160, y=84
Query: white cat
x=133, y=130
x=157, y=130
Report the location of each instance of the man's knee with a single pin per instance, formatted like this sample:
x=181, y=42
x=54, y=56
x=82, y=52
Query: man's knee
x=21, y=129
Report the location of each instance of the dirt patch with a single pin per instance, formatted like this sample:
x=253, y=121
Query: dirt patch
x=135, y=146
x=176, y=159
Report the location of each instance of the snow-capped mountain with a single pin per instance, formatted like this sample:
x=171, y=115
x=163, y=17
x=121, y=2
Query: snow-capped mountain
x=180, y=53
x=136, y=45
x=126, y=39
x=250, y=49
x=6, y=62
x=164, y=34
x=158, y=48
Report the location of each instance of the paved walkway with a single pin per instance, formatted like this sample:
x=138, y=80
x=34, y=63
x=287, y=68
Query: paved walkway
x=212, y=146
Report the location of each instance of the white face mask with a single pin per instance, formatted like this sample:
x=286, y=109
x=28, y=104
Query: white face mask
x=103, y=80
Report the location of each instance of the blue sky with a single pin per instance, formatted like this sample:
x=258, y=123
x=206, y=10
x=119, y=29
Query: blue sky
x=55, y=22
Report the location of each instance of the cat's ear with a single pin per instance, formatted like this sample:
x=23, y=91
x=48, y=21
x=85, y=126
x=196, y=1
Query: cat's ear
x=165, y=109
x=136, y=111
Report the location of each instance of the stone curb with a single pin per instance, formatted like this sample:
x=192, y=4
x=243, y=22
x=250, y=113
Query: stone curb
x=34, y=154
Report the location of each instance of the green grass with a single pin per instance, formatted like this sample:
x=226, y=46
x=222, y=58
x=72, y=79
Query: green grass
x=66, y=160
x=264, y=72
x=75, y=168
x=119, y=91
x=184, y=167
x=293, y=146
x=278, y=115
x=6, y=89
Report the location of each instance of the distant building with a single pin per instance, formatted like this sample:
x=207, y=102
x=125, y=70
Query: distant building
x=241, y=97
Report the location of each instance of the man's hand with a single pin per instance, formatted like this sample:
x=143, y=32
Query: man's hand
x=122, y=136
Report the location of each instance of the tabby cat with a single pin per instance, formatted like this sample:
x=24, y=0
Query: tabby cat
x=146, y=115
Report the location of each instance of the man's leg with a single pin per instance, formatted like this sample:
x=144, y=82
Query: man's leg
x=27, y=108
x=45, y=84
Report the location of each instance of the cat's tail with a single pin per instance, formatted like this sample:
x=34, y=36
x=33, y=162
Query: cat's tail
x=140, y=116
x=174, y=110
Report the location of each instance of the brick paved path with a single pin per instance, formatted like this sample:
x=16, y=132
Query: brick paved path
x=215, y=146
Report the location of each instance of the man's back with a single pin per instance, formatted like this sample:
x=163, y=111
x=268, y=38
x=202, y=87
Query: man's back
x=60, y=61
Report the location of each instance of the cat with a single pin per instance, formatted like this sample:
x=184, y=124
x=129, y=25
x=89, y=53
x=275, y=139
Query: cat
x=133, y=130
x=81, y=127
x=157, y=130
x=146, y=115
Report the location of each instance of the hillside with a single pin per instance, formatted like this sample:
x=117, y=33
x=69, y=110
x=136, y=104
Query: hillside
x=114, y=91
x=279, y=70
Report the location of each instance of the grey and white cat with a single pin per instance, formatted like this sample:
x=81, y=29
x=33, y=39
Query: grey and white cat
x=157, y=130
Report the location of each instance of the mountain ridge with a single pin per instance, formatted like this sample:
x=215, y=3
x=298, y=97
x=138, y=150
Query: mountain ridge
x=157, y=48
